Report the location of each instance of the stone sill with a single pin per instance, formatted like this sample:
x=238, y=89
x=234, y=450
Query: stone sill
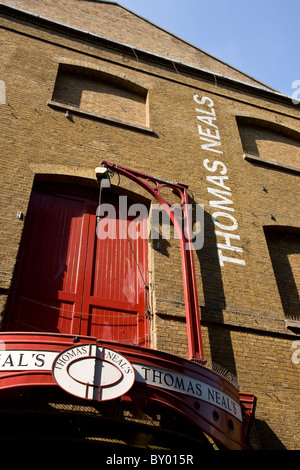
x=292, y=324
x=99, y=117
x=255, y=159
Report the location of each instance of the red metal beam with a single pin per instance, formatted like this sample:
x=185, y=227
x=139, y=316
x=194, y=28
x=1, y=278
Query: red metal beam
x=153, y=186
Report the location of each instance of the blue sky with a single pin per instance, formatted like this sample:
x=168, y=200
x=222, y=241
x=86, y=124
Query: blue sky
x=258, y=37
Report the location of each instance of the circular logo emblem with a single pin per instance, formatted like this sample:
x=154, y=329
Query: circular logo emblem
x=93, y=372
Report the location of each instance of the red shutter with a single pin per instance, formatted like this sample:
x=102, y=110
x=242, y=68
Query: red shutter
x=70, y=281
x=114, y=297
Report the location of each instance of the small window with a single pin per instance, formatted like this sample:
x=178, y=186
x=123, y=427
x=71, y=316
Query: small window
x=284, y=248
x=100, y=95
x=267, y=143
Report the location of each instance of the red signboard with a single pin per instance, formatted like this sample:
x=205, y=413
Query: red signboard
x=99, y=370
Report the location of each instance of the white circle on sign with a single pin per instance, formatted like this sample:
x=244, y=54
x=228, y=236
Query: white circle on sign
x=93, y=372
x=82, y=370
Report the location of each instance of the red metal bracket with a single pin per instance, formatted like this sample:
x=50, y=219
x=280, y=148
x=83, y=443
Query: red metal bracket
x=247, y=401
x=154, y=186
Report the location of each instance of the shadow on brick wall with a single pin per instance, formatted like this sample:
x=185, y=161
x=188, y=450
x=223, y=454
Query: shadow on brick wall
x=262, y=437
x=214, y=298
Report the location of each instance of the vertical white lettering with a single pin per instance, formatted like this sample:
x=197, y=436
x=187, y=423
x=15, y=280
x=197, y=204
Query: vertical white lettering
x=213, y=143
x=2, y=92
x=208, y=132
x=228, y=237
x=224, y=215
x=204, y=100
x=207, y=120
x=222, y=195
x=219, y=181
x=215, y=166
x=228, y=259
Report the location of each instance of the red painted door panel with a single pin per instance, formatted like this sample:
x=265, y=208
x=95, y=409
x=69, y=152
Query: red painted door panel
x=115, y=284
x=70, y=281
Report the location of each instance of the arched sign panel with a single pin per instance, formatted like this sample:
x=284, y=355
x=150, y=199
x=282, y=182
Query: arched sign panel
x=91, y=370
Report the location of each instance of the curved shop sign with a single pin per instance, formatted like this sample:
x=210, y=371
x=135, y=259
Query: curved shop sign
x=93, y=372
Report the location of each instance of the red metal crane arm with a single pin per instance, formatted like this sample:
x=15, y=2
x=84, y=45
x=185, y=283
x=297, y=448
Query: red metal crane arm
x=154, y=185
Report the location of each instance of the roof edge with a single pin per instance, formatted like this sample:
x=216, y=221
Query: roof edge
x=193, y=45
x=110, y=43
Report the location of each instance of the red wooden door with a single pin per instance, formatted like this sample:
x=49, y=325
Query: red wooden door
x=71, y=281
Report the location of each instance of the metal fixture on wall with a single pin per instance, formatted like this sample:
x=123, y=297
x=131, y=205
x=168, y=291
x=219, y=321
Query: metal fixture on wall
x=187, y=259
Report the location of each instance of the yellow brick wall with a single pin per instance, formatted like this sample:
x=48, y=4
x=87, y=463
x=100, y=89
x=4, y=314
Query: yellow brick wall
x=242, y=317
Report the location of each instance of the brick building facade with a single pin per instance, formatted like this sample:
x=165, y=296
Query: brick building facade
x=85, y=82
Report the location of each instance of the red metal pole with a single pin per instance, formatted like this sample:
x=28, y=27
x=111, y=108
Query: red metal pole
x=187, y=258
